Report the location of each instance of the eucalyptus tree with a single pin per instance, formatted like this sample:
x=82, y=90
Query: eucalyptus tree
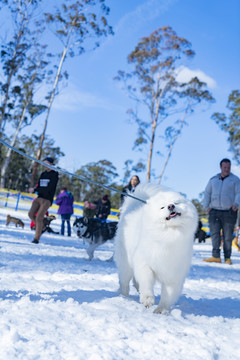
x=102, y=172
x=14, y=52
x=78, y=25
x=19, y=74
x=230, y=123
x=22, y=108
x=18, y=173
x=200, y=209
x=153, y=85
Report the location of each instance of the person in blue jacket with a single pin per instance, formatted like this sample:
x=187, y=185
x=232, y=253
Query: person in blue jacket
x=65, y=201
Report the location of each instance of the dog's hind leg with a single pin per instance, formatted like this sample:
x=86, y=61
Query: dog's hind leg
x=125, y=272
x=125, y=276
x=135, y=284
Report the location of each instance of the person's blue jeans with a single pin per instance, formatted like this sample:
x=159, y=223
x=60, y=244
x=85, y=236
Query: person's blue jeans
x=225, y=220
x=66, y=217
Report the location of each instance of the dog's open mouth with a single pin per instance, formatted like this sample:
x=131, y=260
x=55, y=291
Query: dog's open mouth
x=172, y=215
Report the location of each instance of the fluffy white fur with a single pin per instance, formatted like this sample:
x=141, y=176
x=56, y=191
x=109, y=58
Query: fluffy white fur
x=150, y=248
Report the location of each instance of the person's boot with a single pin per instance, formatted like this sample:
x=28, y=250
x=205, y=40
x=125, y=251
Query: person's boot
x=228, y=261
x=213, y=259
x=35, y=241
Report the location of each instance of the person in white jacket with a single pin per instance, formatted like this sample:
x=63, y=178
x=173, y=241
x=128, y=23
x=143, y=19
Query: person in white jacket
x=222, y=199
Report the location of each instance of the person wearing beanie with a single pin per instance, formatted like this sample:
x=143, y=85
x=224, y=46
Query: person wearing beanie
x=103, y=208
x=45, y=190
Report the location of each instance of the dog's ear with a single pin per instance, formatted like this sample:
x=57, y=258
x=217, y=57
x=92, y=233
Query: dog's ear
x=85, y=220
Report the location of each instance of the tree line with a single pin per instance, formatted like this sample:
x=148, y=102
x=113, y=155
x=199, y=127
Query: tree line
x=163, y=104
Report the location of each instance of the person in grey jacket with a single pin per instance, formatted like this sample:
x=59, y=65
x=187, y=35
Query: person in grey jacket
x=222, y=199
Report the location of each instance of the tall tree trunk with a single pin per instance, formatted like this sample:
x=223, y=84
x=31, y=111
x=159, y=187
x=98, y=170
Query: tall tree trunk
x=151, y=152
x=23, y=25
x=53, y=92
x=7, y=159
x=156, y=100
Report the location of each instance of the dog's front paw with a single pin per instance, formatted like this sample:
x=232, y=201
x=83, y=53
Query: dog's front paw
x=160, y=310
x=147, y=300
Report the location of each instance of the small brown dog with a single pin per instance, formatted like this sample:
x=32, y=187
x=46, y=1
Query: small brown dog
x=46, y=224
x=15, y=220
x=47, y=219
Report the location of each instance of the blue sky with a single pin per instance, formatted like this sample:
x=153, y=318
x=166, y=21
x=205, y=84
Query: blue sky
x=89, y=121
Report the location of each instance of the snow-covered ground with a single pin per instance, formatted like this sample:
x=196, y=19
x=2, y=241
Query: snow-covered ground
x=54, y=305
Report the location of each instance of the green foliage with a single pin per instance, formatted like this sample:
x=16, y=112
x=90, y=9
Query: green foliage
x=65, y=180
x=102, y=172
x=200, y=209
x=75, y=22
x=19, y=169
x=131, y=169
x=15, y=52
x=231, y=123
x=18, y=172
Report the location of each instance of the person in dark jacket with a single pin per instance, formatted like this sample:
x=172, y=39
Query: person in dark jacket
x=131, y=186
x=65, y=201
x=45, y=189
x=103, y=208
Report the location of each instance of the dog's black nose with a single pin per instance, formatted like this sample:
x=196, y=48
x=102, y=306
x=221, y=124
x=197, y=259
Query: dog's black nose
x=171, y=207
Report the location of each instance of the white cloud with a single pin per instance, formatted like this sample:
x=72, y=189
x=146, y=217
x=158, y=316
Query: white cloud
x=144, y=13
x=185, y=75
x=72, y=99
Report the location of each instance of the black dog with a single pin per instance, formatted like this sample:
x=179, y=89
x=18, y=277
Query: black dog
x=94, y=232
x=200, y=233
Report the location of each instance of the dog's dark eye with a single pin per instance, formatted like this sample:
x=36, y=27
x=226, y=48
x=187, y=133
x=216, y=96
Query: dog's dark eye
x=162, y=207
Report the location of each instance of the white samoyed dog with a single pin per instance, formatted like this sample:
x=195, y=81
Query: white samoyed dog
x=154, y=242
